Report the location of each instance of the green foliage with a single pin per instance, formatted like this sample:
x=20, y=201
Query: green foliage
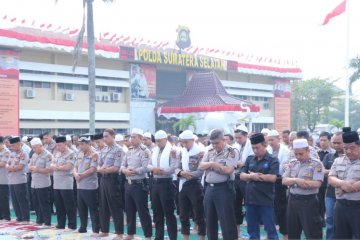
x=337, y=111
x=337, y=123
x=355, y=64
x=311, y=101
x=185, y=123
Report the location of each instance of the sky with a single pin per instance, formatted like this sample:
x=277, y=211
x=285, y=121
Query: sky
x=286, y=29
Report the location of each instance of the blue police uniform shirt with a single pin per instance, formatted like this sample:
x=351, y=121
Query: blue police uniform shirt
x=260, y=193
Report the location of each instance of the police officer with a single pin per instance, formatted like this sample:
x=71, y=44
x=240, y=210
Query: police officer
x=148, y=141
x=162, y=165
x=304, y=135
x=219, y=164
x=134, y=167
x=303, y=176
x=344, y=176
x=40, y=170
x=48, y=142
x=260, y=172
x=16, y=166
x=87, y=185
x=111, y=204
x=281, y=152
x=4, y=187
x=190, y=189
x=97, y=141
x=63, y=166
x=243, y=144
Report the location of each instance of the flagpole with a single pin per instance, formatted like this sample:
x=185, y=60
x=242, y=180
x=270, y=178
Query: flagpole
x=347, y=80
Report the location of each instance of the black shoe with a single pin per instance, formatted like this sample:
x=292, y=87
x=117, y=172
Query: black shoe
x=82, y=230
x=59, y=227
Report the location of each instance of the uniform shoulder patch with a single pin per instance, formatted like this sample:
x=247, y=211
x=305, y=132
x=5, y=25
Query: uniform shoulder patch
x=94, y=157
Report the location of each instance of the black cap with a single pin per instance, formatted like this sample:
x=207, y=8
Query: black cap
x=96, y=136
x=346, y=129
x=1, y=139
x=257, y=138
x=60, y=139
x=14, y=140
x=350, y=137
x=29, y=139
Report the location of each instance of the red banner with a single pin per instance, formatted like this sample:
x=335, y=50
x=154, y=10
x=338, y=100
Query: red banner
x=9, y=93
x=282, y=105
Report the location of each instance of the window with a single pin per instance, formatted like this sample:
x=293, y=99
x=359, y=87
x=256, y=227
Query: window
x=34, y=84
x=266, y=105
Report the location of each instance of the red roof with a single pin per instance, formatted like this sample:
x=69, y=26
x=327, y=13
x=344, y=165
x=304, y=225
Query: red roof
x=205, y=93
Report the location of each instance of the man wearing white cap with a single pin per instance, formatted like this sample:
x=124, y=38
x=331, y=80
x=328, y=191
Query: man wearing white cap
x=190, y=189
x=303, y=176
x=39, y=167
x=265, y=132
x=148, y=141
x=243, y=144
x=70, y=144
x=134, y=167
x=281, y=152
x=162, y=165
x=119, y=139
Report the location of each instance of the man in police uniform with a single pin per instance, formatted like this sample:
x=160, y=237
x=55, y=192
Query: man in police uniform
x=111, y=157
x=219, y=164
x=134, y=167
x=48, y=142
x=4, y=187
x=260, y=172
x=162, y=165
x=40, y=170
x=242, y=143
x=16, y=166
x=63, y=166
x=87, y=185
x=344, y=176
x=190, y=189
x=303, y=176
x=148, y=141
x=97, y=141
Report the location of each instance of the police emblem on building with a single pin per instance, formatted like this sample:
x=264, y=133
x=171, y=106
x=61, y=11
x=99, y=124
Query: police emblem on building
x=183, y=39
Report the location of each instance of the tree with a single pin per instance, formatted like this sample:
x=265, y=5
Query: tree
x=337, y=123
x=310, y=100
x=185, y=123
x=355, y=64
x=337, y=111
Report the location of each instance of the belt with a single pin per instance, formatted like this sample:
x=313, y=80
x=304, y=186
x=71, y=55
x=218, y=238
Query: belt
x=162, y=180
x=346, y=202
x=217, y=184
x=302, y=197
x=192, y=181
x=109, y=175
x=135, y=181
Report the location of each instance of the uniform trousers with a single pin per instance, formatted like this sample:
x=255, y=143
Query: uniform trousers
x=280, y=204
x=136, y=200
x=303, y=215
x=163, y=205
x=111, y=203
x=347, y=219
x=88, y=201
x=239, y=199
x=219, y=206
x=65, y=207
x=191, y=199
x=42, y=205
x=4, y=202
x=20, y=201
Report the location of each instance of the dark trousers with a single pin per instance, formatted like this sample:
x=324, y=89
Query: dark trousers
x=255, y=215
x=239, y=199
x=219, y=206
x=347, y=219
x=20, y=201
x=42, y=206
x=191, y=199
x=163, y=204
x=321, y=198
x=4, y=202
x=280, y=206
x=31, y=204
x=87, y=200
x=52, y=201
x=303, y=215
x=65, y=207
x=111, y=204
x=136, y=200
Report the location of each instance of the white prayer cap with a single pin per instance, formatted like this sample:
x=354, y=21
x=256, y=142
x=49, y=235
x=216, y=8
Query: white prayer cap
x=137, y=131
x=242, y=128
x=195, y=138
x=358, y=130
x=119, y=137
x=273, y=133
x=24, y=139
x=35, y=141
x=147, y=135
x=265, y=131
x=187, y=135
x=300, y=143
x=161, y=134
x=68, y=138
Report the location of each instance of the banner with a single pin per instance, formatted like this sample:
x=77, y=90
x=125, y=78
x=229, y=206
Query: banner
x=180, y=59
x=282, y=105
x=143, y=81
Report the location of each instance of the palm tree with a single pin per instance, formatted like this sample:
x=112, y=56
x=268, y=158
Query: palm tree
x=185, y=123
x=355, y=64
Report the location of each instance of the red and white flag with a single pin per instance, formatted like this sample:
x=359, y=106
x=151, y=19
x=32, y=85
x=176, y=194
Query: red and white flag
x=335, y=12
